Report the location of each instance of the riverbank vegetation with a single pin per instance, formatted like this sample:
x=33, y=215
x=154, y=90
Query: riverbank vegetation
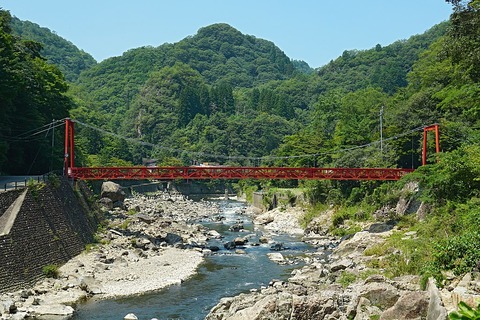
x=223, y=97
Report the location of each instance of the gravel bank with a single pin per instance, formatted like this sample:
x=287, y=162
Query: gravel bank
x=135, y=275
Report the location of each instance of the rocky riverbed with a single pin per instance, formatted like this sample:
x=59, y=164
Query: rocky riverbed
x=149, y=243
x=146, y=243
x=340, y=285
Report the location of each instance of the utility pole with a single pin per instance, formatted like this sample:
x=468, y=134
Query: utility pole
x=381, y=131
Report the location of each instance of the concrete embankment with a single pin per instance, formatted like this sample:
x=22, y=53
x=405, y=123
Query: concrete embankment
x=40, y=226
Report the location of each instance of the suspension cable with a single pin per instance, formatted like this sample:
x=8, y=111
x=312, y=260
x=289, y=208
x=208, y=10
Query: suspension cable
x=221, y=156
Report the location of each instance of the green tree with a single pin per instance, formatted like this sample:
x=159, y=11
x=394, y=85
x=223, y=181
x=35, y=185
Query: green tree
x=32, y=94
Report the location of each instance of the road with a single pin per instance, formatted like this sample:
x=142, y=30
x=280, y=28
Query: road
x=12, y=182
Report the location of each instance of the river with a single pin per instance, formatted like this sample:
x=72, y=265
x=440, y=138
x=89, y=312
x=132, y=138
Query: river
x=224, y=273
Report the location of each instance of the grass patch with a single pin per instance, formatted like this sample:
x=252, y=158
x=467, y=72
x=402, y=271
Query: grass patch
x=91, y=246
x=345, y=220
x=51, y=271
x=342, y=231
x=312, y=213
x=400, y=255
x=369, y=272
x=346, y=278
x=124, y=225
x=131, y=212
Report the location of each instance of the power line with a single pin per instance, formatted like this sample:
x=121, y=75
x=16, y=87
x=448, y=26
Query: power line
x=48, y=125
x=32, y=135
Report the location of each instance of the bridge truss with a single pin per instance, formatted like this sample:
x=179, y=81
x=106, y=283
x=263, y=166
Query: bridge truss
x=228, y=172
x=221, y=172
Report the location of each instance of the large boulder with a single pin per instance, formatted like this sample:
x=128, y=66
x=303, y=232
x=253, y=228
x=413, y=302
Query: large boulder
x=173, y=238
x=264, y=218
x=52, y=311
x=380, y=294
x=112, y=191
x=413, y=305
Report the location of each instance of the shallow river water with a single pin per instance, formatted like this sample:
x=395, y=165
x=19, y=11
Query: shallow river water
x=222, y=274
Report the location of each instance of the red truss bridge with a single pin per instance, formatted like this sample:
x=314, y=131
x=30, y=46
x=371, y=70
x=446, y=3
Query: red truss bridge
x=221, y=172
x=228, y=172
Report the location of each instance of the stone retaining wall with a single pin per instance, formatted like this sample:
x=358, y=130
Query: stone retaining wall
x=50, y=228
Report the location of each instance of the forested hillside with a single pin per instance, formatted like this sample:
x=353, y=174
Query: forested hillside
x=58, y=51
x=32, y=95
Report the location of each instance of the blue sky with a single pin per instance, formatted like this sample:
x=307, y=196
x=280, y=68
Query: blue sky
x=315, y=31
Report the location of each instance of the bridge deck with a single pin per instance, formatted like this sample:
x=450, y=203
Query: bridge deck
x=221, y=172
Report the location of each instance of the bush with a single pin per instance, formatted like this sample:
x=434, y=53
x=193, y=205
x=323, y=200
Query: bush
x=51, y=271
x=312, y=213
x=54, y=180
x=465, y=312
x=459, y=253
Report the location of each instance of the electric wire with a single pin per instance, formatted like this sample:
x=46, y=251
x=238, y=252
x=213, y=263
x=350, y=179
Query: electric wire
x=31, y=135
x=39, y=148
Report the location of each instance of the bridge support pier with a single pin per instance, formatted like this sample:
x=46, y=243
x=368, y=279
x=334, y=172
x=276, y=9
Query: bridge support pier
x=69, y=154
x=433, y=127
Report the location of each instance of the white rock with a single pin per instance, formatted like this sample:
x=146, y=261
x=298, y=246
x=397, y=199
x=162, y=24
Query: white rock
x=276, y=257
x=130, y=316
x=54, y=310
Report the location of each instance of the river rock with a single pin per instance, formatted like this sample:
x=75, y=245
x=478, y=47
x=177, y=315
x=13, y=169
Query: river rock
x=52, y=310
x=144, y=218
x=236, y=227
x=380, y=294
x=263, y=239
x=276, y=257
x=278, y=247
x=239, y=241
x=341, y=265
x=276, y=305
x=412, y=305
x=214, y=234
x=173, y=238
x=8, y=306
x=381, y=227
x=230, y=245
x=130, y=316
x=264, y=218
x=206, y=252
x=112, y=191
x=436, y=310
x=107, y=203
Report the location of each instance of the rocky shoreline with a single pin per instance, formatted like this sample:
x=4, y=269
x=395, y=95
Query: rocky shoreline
x=340, y=285
x=153, y=235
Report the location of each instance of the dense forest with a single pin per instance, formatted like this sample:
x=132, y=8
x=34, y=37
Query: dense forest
x=65, y=55
x=222, y=96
